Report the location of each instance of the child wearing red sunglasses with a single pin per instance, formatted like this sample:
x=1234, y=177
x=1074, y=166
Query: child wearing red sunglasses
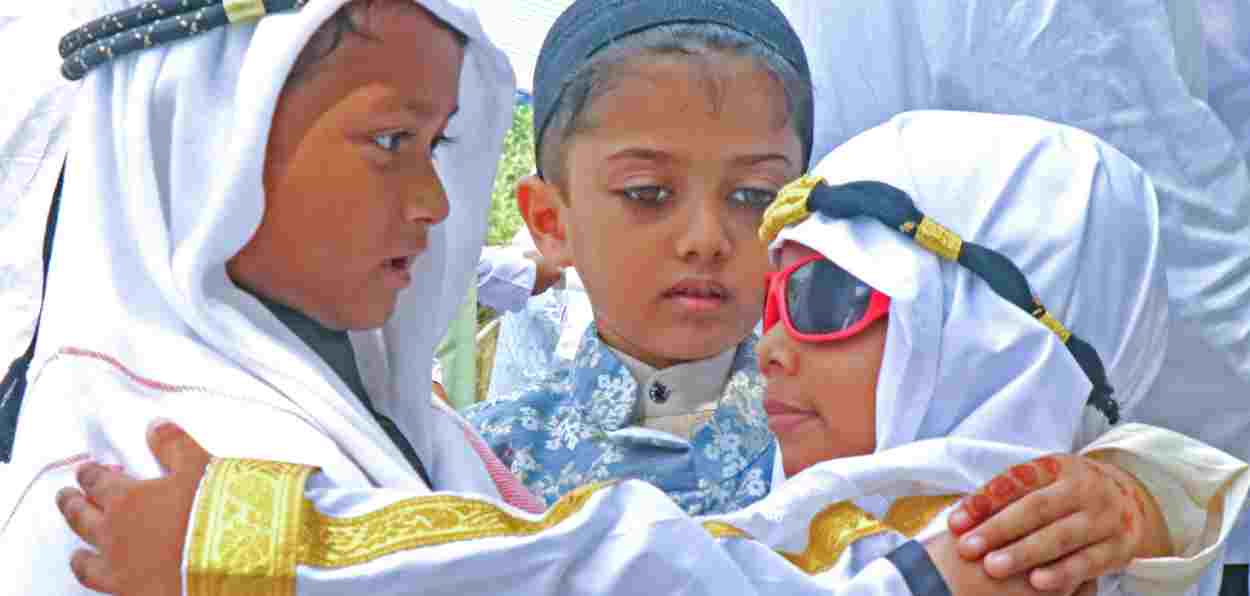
x=886, y=333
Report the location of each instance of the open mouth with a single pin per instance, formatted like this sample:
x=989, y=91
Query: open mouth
x=399, y=263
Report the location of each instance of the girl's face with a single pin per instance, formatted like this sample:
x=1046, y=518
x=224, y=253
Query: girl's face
x=350, y=186
x=665, y=185
x=821, y=399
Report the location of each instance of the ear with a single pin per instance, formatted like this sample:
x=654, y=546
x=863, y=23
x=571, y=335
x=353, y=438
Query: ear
x=545, y=212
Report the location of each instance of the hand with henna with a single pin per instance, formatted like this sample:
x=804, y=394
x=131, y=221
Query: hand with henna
x=1067, y=518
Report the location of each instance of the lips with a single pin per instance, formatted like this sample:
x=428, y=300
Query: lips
x=698, y=288
x=779, y=408
x=396, y=272
x=784, y=419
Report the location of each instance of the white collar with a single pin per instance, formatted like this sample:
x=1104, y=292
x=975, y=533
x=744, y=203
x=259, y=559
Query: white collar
x=679, y=391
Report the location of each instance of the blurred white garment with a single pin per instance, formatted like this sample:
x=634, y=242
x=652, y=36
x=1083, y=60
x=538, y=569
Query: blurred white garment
x=1226, y=33
x=34, y=118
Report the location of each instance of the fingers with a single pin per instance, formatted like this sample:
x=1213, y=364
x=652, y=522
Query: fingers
x=176, y=450
x=104, y=485
x=93, y=573
x=994, y=517
x=83, y=517
x=1057, y=540
x=1084, y=566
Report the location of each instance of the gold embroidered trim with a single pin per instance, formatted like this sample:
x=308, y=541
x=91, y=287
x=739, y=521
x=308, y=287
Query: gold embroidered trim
x=238, y=11
x=331, y=543
x=247, y=517
x=723, y=530
x=909, y=515
x=831, y=532
x=838, y=526
x=1054, y=325
x=939, y=240
x=789, y=207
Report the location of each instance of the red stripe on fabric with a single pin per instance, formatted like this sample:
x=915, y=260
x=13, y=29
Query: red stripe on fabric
x=140, y=379
x=72, y=460
x=513, y=491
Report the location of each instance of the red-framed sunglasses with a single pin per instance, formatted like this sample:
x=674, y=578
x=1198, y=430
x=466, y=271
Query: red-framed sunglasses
x=819, y=301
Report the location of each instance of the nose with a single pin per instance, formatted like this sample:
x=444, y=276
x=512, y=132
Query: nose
x=704, y=237
x=425, y=199
x=775, y=353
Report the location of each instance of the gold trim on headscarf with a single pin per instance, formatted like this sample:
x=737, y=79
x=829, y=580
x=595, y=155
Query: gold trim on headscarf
x=1049, y=320
x=239, y=11
x=789, y=207
x=938, y=239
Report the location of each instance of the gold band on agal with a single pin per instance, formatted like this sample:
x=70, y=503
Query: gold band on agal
x=241, y=11
x=789, y=207
x=939, y=240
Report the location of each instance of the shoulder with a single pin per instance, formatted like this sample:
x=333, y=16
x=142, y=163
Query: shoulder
x=535, y=400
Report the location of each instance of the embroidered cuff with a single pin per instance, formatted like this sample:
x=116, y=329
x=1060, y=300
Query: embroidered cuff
x=245, y=537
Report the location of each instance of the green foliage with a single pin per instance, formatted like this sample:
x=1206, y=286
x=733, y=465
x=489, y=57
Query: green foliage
x=518, y=161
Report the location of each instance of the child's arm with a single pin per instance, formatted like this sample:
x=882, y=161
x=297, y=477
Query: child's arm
x=1133, y=496
x=264, y=526
x=139, y=528
x=507, y=277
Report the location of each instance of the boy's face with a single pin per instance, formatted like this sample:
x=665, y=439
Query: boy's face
x=664, y=188
x=821, y=398
x=350, y=187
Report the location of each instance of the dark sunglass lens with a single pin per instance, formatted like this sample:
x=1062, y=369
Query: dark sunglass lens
x=823, y=298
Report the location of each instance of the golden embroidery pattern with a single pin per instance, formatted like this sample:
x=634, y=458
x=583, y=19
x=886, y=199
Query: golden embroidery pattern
x=939, y=240
x=723, y=530
x=331, y=543
x=789, y=207
x=246, y=523
x=909, y=515
x=838, y=526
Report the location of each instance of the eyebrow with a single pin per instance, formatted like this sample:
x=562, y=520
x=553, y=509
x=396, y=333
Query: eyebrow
x=752, y=160
x=640, y=153
x=422, y=110
x=660, y=156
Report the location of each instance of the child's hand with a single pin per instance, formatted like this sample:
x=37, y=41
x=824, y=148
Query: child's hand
x=136, y=526
x=547, y=275
x=1065, y=519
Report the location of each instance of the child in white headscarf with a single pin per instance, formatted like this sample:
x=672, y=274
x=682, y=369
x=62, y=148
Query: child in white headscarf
x=884, y=328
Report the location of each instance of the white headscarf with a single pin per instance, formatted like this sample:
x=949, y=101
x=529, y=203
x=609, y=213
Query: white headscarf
x=1078, y=219
x=34, y=129
x=1130, y=72
x=163, y=185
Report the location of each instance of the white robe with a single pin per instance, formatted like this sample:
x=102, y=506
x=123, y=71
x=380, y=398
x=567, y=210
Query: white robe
x=960, y=362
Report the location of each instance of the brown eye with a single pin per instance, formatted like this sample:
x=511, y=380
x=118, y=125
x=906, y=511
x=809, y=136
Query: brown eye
x=653, y=195
x=391, y=142
x=755, y=198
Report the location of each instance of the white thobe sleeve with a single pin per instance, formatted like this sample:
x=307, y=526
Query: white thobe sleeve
x=1193, y=484
x=257, y=528
x=505, y=278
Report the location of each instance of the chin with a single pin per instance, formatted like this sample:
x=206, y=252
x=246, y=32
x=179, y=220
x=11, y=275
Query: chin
x=364, y=319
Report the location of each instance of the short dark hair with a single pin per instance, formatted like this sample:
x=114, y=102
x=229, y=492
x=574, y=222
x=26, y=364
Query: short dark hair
x=693, y=40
